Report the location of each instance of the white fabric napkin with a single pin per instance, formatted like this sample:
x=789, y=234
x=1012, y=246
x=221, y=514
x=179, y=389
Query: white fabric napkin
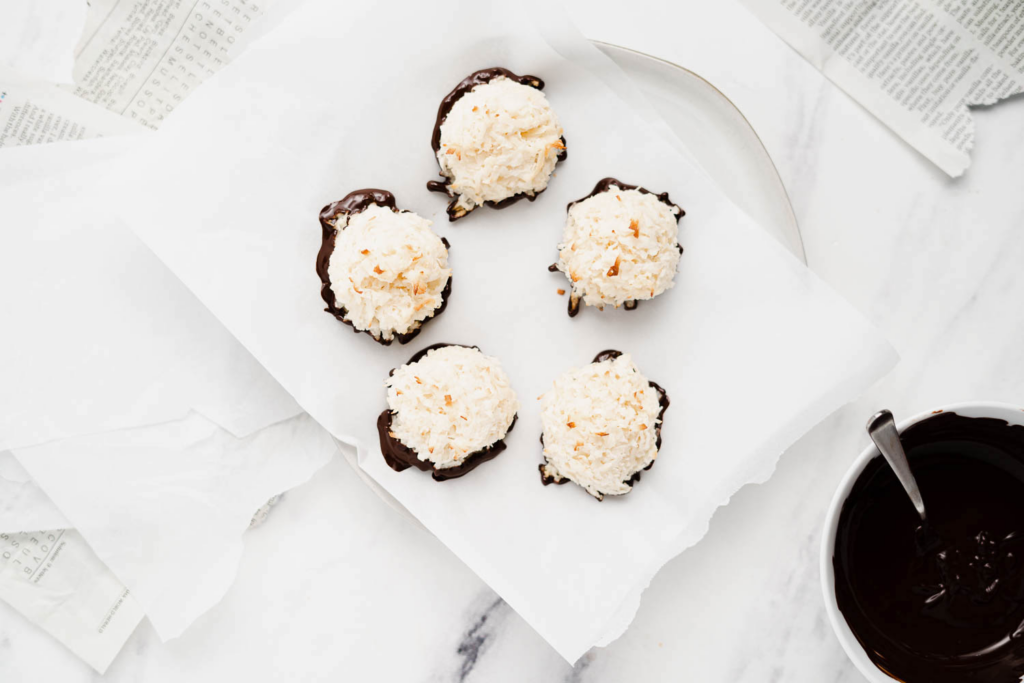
x=752, y=348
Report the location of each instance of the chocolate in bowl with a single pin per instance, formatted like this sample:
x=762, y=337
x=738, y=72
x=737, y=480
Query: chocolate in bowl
x=940, y=602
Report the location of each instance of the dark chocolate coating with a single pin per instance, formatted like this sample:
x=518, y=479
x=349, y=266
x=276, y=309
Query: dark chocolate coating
x=663, y=401
x=942, y=602
x=473, y=80
x=351, y=204
x=400, y=457
x=604, y=185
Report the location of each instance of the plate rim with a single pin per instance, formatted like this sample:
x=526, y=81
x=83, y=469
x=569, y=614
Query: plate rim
x=777, y=178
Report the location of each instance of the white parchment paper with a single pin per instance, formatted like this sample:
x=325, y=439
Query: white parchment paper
x=23, y=505
x=752, y=348
x=38, y=38
x=165, y=506
x=97, y=334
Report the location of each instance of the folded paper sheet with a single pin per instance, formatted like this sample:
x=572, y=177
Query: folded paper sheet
x=55, y=580
x=38, y=162
x=752, y=348
x=38, y=38
x=171, y=522
x=23, y=505
x=99, y=335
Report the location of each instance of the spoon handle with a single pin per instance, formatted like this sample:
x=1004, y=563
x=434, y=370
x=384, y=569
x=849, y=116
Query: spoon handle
x=882, y=430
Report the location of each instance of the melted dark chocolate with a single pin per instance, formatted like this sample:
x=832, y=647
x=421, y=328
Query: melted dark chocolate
x=942, y=603
x=663, y=401
x=400, y=457
x=473, y=80
x=604, y=185
x=351, y=204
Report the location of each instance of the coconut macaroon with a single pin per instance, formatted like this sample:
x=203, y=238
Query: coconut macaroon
x=449, y=409
x=620, y=246
x=383, y=271
x=602, y=426
x=497, y=141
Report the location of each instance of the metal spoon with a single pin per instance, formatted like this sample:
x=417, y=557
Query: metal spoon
x=882, y=430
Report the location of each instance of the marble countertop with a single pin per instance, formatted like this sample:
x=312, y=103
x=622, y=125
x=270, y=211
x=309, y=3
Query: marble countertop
x=337, y=586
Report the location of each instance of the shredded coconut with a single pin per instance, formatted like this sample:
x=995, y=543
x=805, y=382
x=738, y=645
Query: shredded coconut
x=451, y=403
x=599, y=426
x=387, y=270
x=500, y=139
x=619, y=246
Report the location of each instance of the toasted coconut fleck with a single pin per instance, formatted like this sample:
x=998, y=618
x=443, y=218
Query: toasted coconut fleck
x=614, y=270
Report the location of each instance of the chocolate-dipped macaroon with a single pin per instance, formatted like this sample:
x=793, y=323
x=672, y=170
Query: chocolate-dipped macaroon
x=449, y=409
x=382, y=271
x=496, y=140
x=620, y=246
x=602, y=426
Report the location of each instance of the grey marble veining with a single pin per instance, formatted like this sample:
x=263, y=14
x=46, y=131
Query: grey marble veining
x=335, y=586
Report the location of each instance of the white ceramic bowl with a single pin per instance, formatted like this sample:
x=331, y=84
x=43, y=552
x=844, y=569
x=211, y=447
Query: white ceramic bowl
x=1002, y=411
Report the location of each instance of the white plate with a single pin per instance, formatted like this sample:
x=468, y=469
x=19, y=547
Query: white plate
x=722, y=141
x=719, y=137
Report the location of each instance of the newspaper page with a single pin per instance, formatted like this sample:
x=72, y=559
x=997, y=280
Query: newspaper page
x=141, y=58
x=915, y=64
x=135, y=61
x=56, y=581
x=23, y=505
x=34, y=112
